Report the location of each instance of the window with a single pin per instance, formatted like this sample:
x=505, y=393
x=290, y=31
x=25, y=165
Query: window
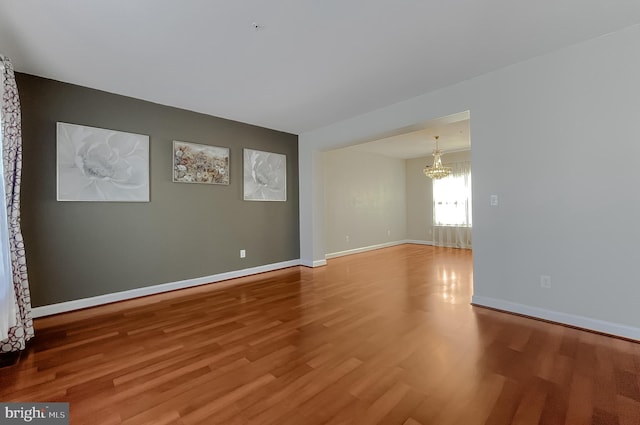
x=452, y=197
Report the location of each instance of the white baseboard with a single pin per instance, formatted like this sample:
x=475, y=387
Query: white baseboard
x=418, y=242
x=610, y=328
x=432, y=244
x=66, y=306
x=364, y=249
x=316, y=263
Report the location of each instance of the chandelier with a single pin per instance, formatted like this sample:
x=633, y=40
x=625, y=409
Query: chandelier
x=436, y=171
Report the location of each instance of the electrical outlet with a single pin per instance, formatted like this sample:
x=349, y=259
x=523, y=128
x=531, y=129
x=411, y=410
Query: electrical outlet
x=243, y=253
x=346, y=238
x=494, y=200
x=545, y=281
x=388, y=232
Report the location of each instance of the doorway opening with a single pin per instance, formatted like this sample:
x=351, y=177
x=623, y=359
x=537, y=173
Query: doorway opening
x=376, y=193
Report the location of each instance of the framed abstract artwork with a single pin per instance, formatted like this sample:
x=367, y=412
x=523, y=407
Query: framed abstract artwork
x=265, y=176
x=195, y=163
x=95, y=164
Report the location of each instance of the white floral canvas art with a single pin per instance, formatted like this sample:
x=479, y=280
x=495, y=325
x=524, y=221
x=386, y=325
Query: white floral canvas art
x=265, y=176
x=95, y=164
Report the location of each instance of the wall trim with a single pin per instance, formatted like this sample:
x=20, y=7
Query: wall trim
x=588, y=323
x=364, y=249
x=419, y=242
x=316, y=263
x=67, y=306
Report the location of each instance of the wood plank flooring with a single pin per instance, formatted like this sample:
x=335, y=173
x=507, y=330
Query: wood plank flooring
x=383, y=337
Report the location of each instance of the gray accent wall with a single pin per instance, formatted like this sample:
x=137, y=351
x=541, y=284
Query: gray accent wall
x=82, y=249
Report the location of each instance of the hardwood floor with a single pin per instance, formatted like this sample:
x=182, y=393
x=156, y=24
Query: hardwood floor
x=386, y=337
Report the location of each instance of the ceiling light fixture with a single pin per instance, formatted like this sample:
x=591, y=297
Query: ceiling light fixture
x=437, y=170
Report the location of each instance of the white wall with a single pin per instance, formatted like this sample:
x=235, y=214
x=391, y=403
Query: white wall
x=539, y=130
x=365, y=200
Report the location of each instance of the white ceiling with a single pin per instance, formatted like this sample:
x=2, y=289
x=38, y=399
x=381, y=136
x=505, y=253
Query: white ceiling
x=453, y=135
x=313, y=62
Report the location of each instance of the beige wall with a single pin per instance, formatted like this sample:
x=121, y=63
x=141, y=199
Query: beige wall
x=367, y=194
x=419, y=200
x=365, y=200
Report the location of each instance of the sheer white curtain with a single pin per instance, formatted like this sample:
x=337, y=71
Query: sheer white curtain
x=452, y=207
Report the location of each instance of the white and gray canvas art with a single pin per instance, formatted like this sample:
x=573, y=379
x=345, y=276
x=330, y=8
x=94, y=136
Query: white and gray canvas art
x=265, y=176
x=95, y=164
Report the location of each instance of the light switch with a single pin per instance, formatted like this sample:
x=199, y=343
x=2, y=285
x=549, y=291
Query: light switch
x=494, y=200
